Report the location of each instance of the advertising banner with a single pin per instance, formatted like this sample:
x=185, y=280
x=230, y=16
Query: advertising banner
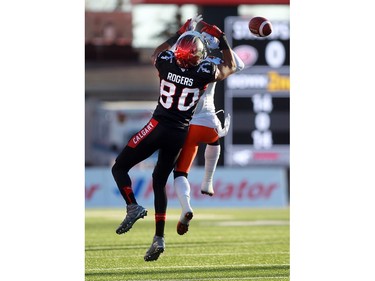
x=234, y=187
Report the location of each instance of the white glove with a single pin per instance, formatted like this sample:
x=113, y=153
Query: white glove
x=194, y=21
x=222, y=132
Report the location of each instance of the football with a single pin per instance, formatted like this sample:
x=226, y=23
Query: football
x=260, y=26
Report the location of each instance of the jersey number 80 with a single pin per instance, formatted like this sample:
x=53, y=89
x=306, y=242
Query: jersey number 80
x=168, y=90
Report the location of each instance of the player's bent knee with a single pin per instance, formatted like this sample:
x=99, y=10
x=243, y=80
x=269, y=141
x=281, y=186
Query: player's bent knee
x=116, y=170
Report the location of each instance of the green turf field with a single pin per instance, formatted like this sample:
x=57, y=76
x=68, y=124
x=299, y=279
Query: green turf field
x=222, y=244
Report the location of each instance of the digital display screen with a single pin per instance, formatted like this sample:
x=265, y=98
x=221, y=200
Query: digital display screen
x=257, y=97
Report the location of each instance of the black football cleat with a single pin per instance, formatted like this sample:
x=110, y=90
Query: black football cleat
x=133, y=213
x=157, y=247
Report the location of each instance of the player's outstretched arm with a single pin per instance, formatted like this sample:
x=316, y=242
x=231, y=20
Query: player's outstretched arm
x=239, y=63
x=229, y=65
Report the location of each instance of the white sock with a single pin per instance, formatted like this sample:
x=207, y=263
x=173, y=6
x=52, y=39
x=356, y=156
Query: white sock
x=182, y=188
x=211, y=156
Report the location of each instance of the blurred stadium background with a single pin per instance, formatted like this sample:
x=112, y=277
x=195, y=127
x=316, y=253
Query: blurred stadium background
x=121, y=91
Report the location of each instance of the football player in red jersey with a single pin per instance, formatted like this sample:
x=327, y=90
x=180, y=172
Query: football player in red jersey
x=184, y=75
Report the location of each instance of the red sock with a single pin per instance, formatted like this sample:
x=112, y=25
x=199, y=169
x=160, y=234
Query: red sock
x=128, y=195
x=160, y=223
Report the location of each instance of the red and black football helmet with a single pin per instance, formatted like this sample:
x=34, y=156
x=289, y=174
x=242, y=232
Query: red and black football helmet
x=190, y=51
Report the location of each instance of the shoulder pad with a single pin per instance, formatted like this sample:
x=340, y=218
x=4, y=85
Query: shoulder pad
x=166, y=55
x=206, y=67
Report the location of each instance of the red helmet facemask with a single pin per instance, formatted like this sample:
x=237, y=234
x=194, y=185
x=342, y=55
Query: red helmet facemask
x=190, y=51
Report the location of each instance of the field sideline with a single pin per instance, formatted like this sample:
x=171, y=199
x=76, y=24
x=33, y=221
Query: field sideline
x=222, y=244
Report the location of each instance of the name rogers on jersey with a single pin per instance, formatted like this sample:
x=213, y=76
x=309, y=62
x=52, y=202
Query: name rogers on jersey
x=180, y=79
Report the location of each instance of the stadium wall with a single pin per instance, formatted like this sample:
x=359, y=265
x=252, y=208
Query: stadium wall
x=234, y=187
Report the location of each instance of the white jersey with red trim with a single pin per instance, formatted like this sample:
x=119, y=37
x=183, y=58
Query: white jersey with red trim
x=205, y=113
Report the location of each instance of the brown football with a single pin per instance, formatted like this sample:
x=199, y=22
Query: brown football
x=260, y=26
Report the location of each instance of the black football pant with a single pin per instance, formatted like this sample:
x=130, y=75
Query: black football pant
x=152, y=137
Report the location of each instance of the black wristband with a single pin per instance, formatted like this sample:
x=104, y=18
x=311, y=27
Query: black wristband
x=223, y=43
x=173, y=39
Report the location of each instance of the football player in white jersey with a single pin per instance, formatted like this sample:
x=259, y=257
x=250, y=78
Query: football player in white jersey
x=205, y=127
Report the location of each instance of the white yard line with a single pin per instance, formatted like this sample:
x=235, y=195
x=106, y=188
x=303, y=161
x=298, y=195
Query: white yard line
x=184, y=266
x=192, y=255
x=227, y=244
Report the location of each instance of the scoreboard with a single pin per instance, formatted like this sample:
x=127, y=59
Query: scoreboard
x=257, y=97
